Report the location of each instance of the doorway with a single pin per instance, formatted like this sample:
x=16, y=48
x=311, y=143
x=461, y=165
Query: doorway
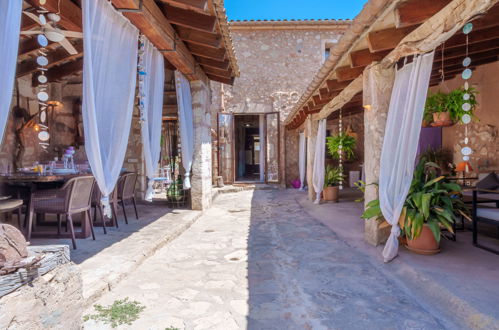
x=248, y=147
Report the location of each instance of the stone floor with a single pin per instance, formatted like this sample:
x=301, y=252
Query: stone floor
x=262, y=260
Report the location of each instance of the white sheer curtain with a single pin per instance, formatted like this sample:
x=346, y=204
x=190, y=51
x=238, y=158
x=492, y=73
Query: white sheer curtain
x=263, y=155
x=10, y=27
x=400, y=143
x=109, y=80
x=154, y=83
x=184, y=100
x=319, y=160
x=302, y=159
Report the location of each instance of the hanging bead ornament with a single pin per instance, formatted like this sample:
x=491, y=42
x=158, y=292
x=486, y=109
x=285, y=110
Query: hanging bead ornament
x=142, y=77
x=42, y=92
x=340, y=147
x=466, y=151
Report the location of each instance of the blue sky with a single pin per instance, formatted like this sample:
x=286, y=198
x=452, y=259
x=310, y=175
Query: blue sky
x=293, y=9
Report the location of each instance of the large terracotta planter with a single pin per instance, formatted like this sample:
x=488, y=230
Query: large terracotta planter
x=425, y=243
x=331, y=194
x=442, y=119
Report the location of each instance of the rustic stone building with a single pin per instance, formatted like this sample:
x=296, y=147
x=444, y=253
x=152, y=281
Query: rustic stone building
x=277, y=60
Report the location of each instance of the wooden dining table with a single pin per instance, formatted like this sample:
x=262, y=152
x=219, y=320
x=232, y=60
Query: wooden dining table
x=33, y=182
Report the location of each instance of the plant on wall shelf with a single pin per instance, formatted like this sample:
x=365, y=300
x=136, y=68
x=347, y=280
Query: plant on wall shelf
x=347, y=143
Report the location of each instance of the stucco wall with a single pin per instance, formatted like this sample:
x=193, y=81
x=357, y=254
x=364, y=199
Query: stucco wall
x=276, y=66
x=482, y=132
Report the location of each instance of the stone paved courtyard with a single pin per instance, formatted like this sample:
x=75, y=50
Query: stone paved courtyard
x=257, y=260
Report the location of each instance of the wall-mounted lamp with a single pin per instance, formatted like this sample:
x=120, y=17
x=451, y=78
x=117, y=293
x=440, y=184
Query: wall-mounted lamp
x=367, y=107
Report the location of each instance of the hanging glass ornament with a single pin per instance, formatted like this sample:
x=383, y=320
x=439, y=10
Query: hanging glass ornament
x=467, y=61
x=466, y=97
x=466, y=119
x=466, y=106
x=466, y=151
x=467, y=74
x=468, y=28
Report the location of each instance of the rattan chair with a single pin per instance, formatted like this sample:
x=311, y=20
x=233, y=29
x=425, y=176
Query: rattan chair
x=73, y=198
x=97, y=205
x=10, y=206
x=126, y=192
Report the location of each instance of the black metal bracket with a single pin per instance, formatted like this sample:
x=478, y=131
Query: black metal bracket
x=132, y=10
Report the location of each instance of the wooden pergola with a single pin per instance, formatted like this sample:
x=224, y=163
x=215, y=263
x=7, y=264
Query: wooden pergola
x=193, y=36
x=380, y=39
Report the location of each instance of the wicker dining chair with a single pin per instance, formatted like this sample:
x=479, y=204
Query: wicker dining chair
x=97, y=205
x=73, y=198
x=126, y=192
x=10, y=206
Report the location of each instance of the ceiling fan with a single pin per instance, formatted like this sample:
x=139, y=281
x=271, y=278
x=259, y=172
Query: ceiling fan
x=51, y=32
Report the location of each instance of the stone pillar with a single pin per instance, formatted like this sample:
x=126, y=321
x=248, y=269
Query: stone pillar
x=201, y=177
x=377, y=90
x=311, y=129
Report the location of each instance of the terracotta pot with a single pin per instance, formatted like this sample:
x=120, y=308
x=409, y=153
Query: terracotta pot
x=425, y=243
x=441, y=117
x=331, y=194
x=425, y=124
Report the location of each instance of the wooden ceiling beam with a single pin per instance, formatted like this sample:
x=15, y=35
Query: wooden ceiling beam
x=346, y=73
x=460, y=52
x=319, y=102
x=199, y=38
x=189, y=19
x=479, y=36
x=71, y=16
x=364, y=57
x=387, y=39
x=324, y=93
x=225, y=80
x=30, y=46
x=335, y=85
x=207, y=52
x=27, y=23
x=437, y=64
x=414, y=12
x=458, y=68
x=224, y=65
x=55, y=58
x=194, y=5
x=154, y=25
x=57, y=73
x=217, y=72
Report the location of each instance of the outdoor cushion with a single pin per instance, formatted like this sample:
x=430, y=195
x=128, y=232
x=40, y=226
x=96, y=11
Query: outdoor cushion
x=488, y=213
x=490, y=182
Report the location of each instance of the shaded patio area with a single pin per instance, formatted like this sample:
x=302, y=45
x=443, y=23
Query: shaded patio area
x=461, y=282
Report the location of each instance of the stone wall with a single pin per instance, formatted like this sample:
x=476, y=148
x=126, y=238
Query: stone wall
x=276, y=66
x=483, y=131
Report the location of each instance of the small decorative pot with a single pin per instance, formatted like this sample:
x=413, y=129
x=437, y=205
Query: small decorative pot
x=331, y=194
x=442, y=119
x=425, y=243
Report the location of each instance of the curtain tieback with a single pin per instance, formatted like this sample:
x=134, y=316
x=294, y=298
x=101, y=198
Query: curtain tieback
x=107, y=207
x=150, y=190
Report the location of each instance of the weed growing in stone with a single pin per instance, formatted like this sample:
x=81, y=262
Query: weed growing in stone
x=120, y=312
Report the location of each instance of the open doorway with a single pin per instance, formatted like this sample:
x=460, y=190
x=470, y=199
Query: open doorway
x=248, y=146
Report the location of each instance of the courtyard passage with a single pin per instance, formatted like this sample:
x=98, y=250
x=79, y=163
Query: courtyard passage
x=258, y=260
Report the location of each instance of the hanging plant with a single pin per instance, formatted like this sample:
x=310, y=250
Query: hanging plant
x=347, y=143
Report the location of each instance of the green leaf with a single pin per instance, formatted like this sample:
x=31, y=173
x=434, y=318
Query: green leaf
x=435, y=228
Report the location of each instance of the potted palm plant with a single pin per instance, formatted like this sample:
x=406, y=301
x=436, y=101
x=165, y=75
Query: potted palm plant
x=332, y=179
x=343, y=143
x=432, y=204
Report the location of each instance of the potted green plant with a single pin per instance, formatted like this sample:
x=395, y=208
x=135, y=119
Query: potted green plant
x=432, y=203
x=332, y=179
x=436, y=109
x=341, y=142
x=457, y=98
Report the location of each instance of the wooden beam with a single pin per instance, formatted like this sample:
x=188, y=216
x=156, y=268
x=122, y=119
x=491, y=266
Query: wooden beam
x=194, y=5
x=64, y=70
x=153, y=24
x=324, y=93
x=319, y=102
x=29, y=46
x=479, y=36
x=199, y=38
x=346, y=73
x=225, y=80
x=437, y=64
x=207, y=52
x=458, y=68
x=335, y=85
x=364, y=57
x=214, y=63
x=190, y=19
x=27, y=23
x=71, y=18
x=217, y=72
x=387, y=39
x=55, y=58
x=414, y=12
x=460, y=52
